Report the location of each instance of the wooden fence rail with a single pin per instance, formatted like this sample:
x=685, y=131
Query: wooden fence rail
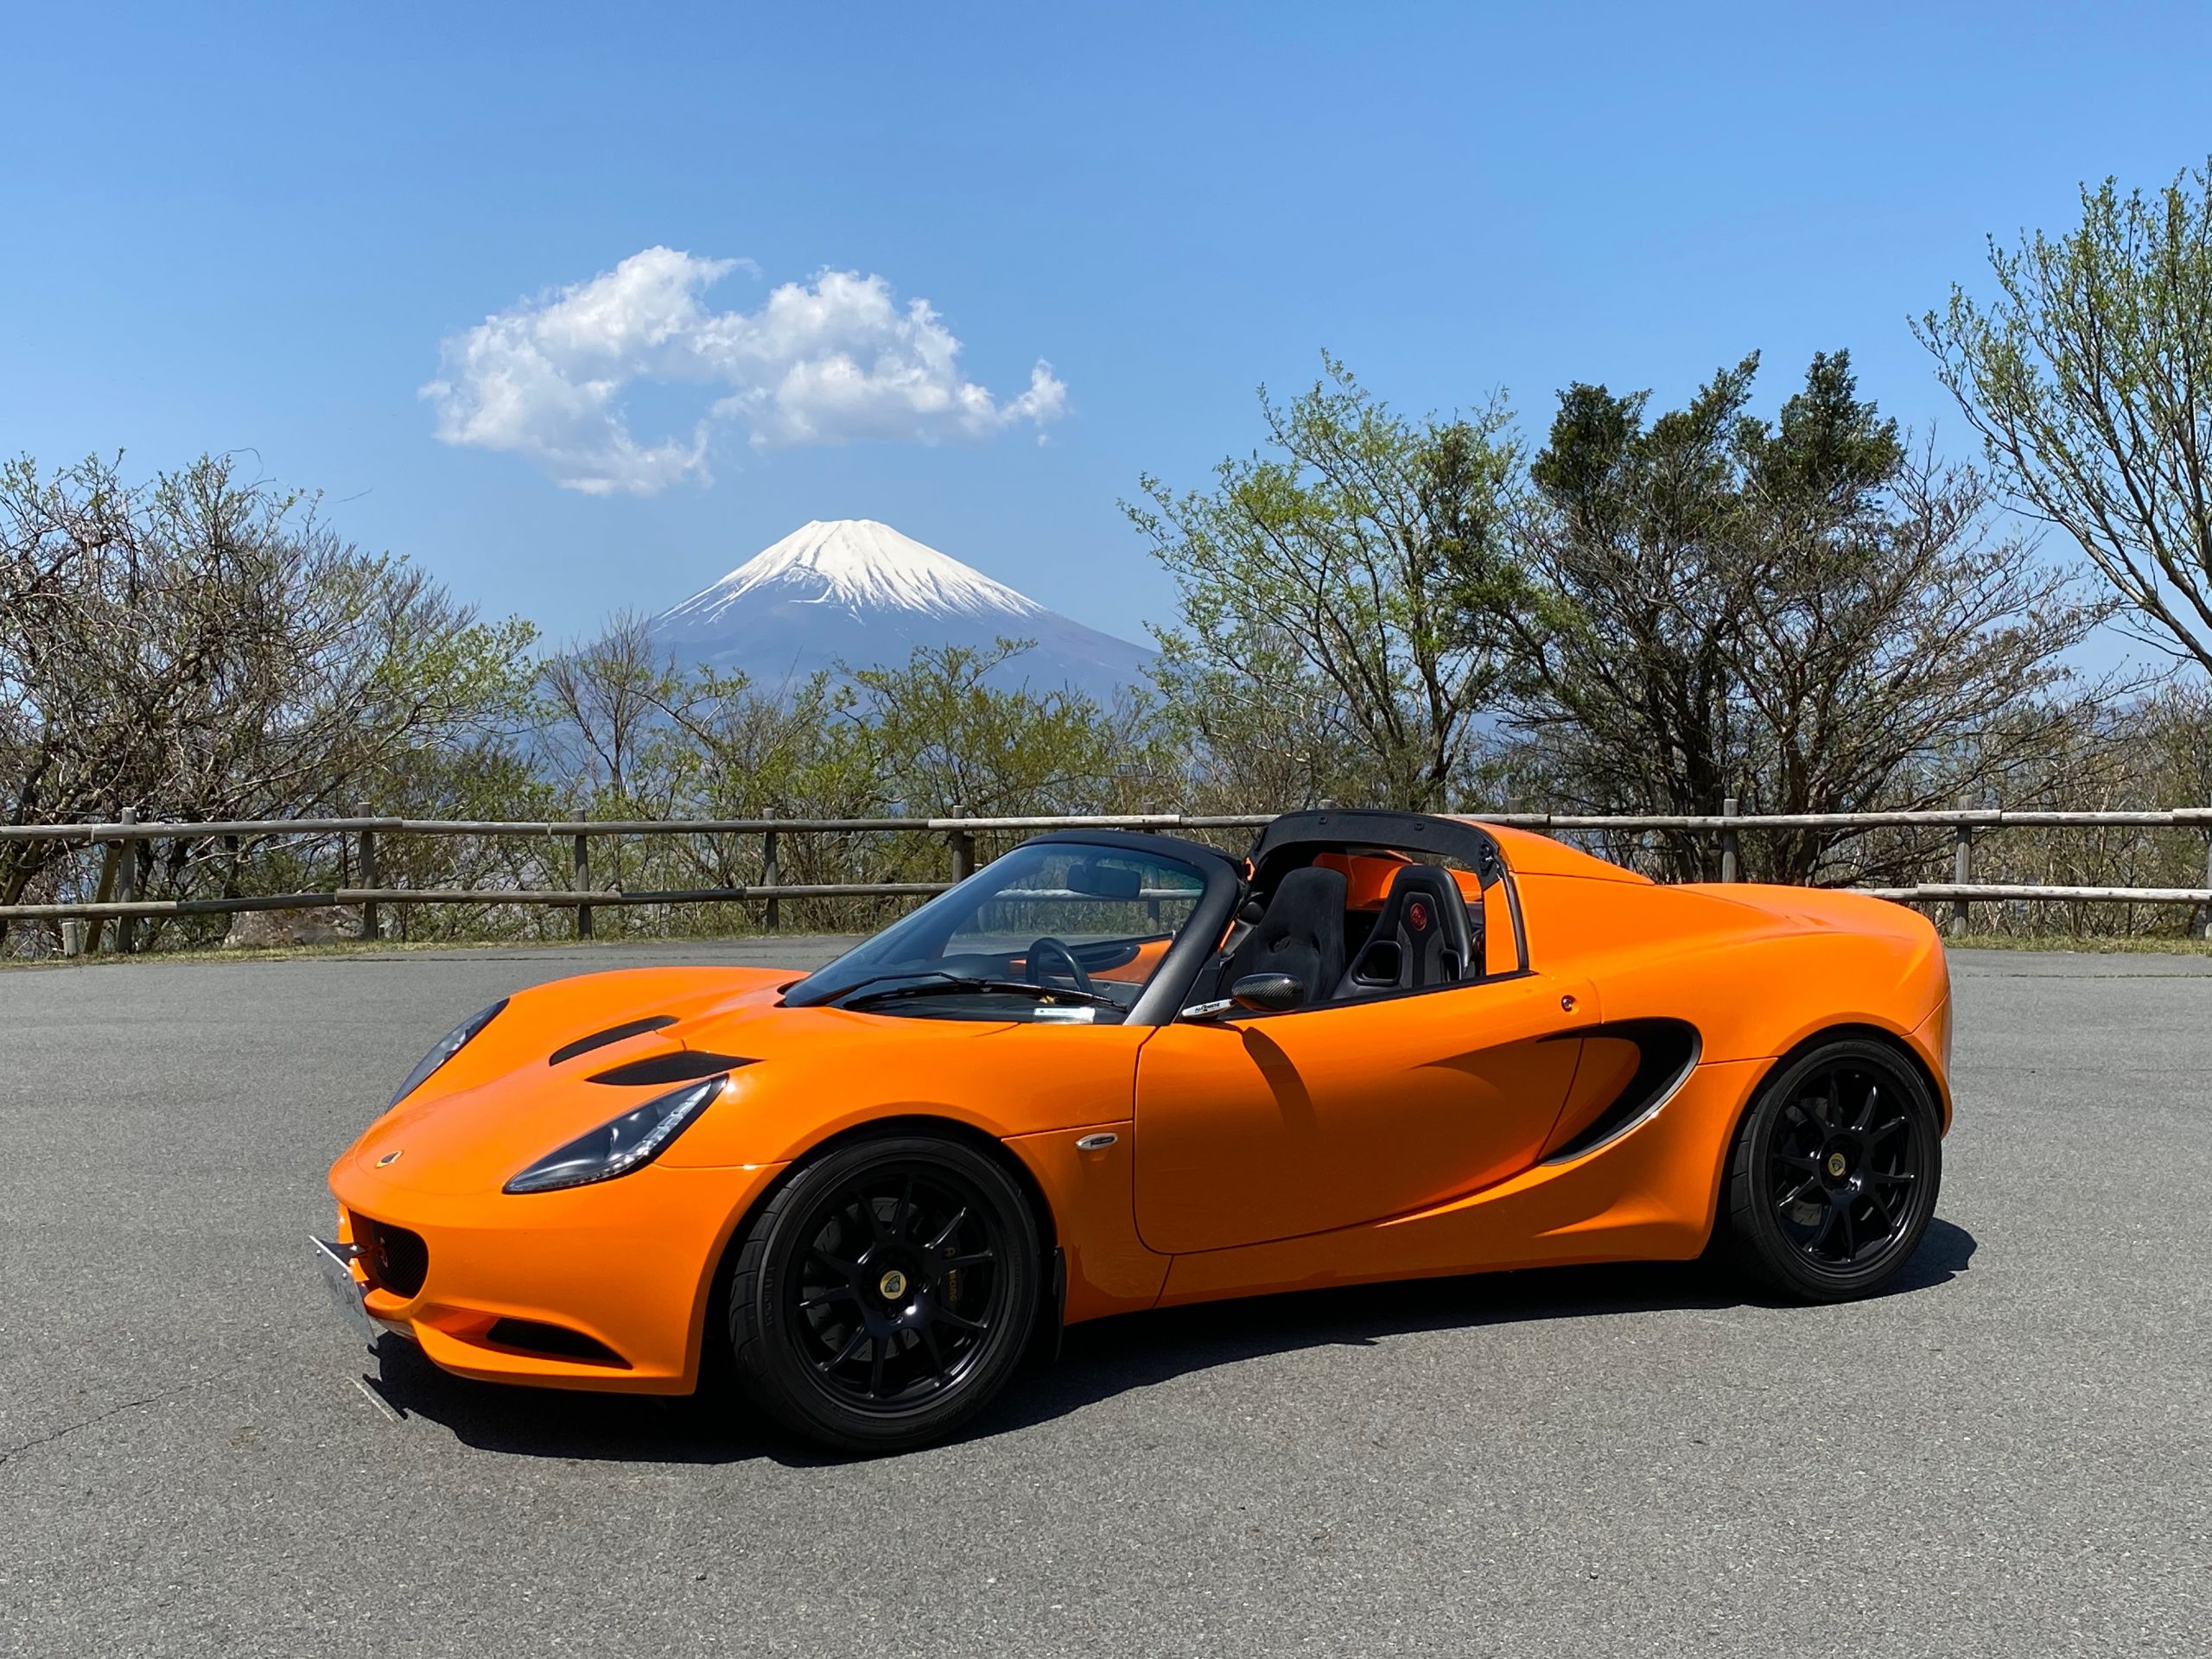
x=119, y=875
x=1991, y=817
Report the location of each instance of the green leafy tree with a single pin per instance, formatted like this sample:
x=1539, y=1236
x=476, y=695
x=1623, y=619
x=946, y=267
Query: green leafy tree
x=1320, y=652
x=2089, y=377
x=926, y=738
x=787, y=751
x=943, y=736
x=1801, y=615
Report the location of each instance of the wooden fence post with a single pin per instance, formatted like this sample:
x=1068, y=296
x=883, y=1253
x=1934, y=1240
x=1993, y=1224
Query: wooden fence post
x=2204, y=911
x=1728, y=841
x=580, y=876
x=963, y=846
x=771, y=874
x=369, y=879
x=126, y=889
x=1961, y=868
x=104, y=890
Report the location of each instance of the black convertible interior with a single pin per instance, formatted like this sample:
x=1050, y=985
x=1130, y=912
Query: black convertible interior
x=1426, y=934
x=1102, y=927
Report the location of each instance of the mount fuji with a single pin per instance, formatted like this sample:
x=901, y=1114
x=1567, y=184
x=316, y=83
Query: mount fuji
x=854, y=591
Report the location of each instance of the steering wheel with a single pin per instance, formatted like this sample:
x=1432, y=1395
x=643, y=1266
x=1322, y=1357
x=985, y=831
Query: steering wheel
x=1052, y=947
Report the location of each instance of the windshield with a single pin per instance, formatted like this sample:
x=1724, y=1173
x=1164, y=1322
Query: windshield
x=1055, y=930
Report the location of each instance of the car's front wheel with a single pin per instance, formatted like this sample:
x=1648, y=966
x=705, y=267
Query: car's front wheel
x=885, y=1293
x=1833, y=1175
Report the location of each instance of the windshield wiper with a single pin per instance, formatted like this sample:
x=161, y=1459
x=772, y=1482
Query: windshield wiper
x=844, y=992
x=941, y=982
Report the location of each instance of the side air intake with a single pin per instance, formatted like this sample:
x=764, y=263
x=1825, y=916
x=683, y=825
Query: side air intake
x=554, y=1341
x=1667, y=1051
x=395, y=1259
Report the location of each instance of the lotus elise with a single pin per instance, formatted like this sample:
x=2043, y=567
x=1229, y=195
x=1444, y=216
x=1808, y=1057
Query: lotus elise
x=1115, y=1072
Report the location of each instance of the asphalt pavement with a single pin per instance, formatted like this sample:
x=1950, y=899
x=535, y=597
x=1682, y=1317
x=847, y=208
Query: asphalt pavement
x=2005, y=1455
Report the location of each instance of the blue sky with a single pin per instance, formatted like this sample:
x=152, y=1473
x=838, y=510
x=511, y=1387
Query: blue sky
x=253, y=228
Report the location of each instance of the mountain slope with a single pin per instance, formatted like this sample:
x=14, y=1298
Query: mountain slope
x=855, y=591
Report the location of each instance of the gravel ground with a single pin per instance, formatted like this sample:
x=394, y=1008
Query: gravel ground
x=2007, y=1455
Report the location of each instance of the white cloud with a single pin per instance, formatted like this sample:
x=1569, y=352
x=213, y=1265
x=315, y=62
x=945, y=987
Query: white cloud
x=821, y=362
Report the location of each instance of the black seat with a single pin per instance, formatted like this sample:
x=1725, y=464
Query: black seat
x=1301, y=933
x=1422, y=939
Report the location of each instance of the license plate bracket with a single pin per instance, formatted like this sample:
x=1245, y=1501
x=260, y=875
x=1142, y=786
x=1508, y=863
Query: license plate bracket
x=336, y=1261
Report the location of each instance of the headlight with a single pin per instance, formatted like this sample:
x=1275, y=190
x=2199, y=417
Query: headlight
x=448, y=1045
x=631, y=1142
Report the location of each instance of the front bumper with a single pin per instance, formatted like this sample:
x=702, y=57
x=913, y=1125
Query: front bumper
x=601, y=1287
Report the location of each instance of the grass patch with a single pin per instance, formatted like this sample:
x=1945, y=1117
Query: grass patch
x=2100, y=944
x=344, y=948
x=301, y=953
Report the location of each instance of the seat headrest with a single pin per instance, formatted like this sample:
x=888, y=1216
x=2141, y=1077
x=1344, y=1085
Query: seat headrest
x=1300, y=897
x=1427, y=899
x=1421, y=937
x=1301, y=932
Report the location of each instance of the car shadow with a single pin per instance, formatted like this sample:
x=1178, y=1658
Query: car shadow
x=1098, y=1360
x=1110, y=1357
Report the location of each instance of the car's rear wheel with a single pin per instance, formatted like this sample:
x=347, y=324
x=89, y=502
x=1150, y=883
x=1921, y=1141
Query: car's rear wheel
x=1833, y=1175
x=885, y=1293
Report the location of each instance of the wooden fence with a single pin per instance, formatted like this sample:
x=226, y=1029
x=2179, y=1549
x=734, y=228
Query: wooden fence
x=959, y=833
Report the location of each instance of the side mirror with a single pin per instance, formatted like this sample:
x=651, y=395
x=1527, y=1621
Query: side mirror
x=1269, y=993
x=1256, y=993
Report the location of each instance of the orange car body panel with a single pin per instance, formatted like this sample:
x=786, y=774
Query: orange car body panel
x=1407, y=1136
x=1259, y=1129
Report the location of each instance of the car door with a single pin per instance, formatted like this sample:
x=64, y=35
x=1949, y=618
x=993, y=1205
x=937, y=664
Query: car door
x=1269, y=1126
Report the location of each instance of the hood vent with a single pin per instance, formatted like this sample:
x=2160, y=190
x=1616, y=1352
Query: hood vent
x=680, y=1067
x=612, y=1034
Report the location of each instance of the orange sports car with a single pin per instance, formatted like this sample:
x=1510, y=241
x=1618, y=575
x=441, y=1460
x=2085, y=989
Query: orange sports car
x=1115, y=1071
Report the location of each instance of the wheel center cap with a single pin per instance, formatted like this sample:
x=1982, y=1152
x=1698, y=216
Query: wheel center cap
x=892, y=1285
x=1837, y=1164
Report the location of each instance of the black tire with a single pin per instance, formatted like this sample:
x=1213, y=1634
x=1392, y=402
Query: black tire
x=1834, y=1172
x=885, y=1293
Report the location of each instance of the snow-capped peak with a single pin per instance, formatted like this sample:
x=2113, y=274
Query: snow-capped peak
x=861, y=563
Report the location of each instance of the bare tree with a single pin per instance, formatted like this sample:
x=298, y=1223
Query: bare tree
x=204, y=647
x=605, y=702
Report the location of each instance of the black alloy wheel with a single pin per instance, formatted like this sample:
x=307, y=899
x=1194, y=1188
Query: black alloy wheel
x=1835, y=1170
x=885, y=1293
